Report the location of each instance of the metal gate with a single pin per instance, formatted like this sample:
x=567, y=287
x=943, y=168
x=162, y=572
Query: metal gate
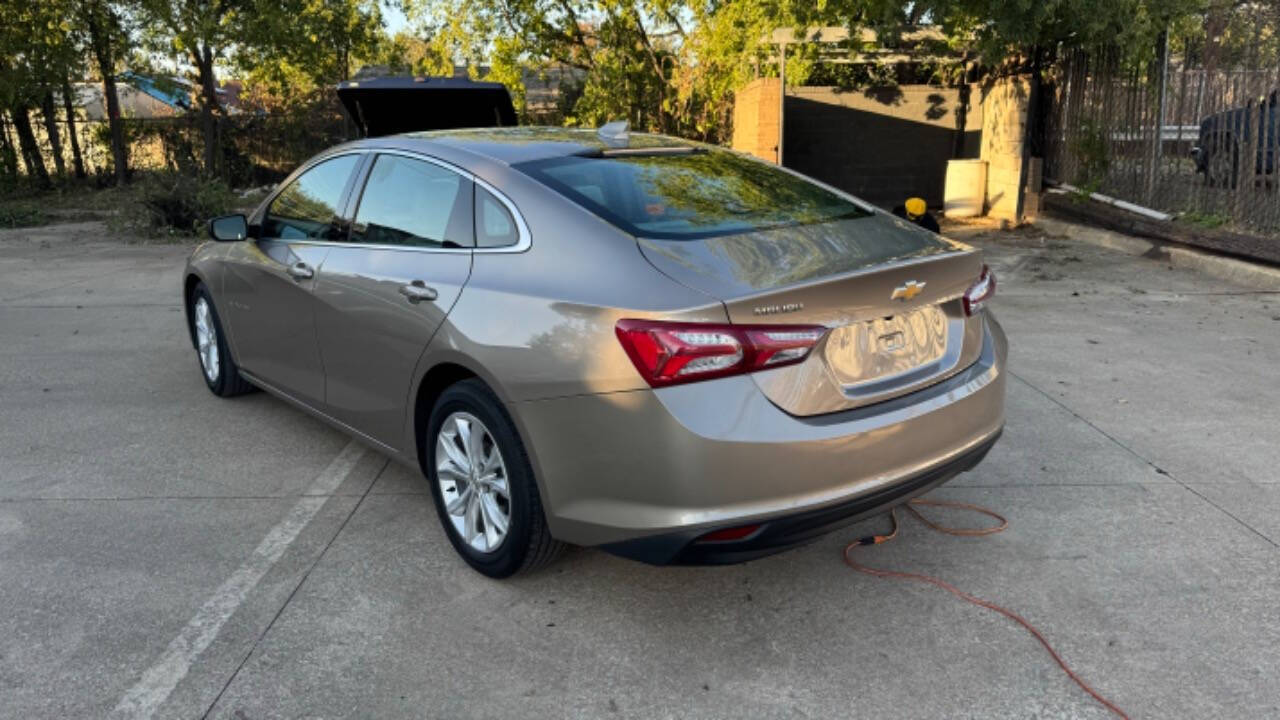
x=1167, y=130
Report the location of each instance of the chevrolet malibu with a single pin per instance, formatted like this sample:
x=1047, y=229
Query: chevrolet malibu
x=666, y=350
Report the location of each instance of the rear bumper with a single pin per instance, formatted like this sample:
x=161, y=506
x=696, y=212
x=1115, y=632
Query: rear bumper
x=788, y=531
x=643, y=473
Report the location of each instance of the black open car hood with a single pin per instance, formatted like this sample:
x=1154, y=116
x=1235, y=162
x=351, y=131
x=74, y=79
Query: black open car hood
x=386, y=106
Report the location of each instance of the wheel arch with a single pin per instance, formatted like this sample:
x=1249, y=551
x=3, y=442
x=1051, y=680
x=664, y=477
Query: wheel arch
x=442, y=370
x=189, y=284
x=430, y=387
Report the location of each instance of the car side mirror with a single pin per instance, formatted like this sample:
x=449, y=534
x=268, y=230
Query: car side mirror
x=229, y=228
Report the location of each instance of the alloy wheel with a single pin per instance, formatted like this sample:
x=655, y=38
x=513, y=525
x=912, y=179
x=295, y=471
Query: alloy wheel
x=473, y=482
x=206, y=340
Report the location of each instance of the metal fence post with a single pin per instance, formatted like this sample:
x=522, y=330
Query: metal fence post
x=782, y=95
x=1157, y=138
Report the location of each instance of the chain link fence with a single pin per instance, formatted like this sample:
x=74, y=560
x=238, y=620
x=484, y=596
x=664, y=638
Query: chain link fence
x=253, y=148
x=1169, y=133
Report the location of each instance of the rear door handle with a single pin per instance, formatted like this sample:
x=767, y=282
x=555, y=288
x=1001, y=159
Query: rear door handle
x=417, y=291
x=300, y=271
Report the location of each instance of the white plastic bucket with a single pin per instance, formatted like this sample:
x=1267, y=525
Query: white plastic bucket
x=966, y=188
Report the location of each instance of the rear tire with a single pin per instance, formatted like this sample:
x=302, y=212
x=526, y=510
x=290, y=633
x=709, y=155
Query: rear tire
x=219, y=370
x=474, y=506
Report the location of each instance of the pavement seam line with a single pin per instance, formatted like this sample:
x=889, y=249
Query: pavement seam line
x=1135, y=453
x=159, y=680
x=73, y=283
x=95, y=306
x=301, y=581
x=1016, y=485
x=167, y=498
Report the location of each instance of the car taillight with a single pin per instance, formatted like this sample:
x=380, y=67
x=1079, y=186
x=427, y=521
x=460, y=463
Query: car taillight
x=667, y=353
x=980, y=292
x=729, y=534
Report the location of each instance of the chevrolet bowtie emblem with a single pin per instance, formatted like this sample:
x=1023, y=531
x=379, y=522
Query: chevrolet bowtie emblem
x=908, y=291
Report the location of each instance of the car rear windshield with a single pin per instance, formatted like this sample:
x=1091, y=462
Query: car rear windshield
x=690, y=195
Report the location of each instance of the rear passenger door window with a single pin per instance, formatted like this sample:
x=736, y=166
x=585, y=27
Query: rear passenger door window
x=495, y=227
x=308, y=208
x=413, y=203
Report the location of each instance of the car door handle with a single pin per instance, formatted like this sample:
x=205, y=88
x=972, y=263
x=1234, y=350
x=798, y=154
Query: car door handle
x=417, y=291
x=300, y=271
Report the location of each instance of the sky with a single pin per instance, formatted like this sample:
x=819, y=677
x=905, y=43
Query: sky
x=394, y=18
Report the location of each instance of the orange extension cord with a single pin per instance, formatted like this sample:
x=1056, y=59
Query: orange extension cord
x=965, y=532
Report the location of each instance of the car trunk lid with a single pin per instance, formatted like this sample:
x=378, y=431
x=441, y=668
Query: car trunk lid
x=888, y=291
x=391, y=105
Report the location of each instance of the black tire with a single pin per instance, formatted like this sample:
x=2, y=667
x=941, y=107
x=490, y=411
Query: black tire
x=227, y=381
x=1222, y=166
x=528, y=544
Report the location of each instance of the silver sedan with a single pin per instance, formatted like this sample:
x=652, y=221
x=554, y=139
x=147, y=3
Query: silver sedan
x=667, y=350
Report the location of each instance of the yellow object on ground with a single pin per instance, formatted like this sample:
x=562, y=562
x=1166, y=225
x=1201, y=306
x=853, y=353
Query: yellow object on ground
x=916, y=207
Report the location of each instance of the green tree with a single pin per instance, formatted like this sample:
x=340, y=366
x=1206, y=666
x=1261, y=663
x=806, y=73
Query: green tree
x=296, y=47
x=109, y=40
x=68, y=106
x=36, y=52
x=624, y=54
x=665, y=65
x=404, y=53
x=998, y=30
x=201, y=31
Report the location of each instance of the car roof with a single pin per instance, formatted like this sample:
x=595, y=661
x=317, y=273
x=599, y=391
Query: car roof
x=513, y=145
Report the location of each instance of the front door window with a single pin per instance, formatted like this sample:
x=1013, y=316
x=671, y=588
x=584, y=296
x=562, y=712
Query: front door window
x=308, y=208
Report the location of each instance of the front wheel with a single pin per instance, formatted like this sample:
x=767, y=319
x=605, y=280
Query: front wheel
x=220, y=371
x=483, y=484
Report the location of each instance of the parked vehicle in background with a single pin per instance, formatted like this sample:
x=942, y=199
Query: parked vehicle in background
x=1229, y=136
x=664, y=349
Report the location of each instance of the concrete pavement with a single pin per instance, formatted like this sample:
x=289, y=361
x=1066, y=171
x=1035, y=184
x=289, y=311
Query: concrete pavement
x=1138, y=471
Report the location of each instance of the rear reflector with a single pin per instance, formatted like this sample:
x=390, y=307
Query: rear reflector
x=734, y=533
x=668, y=353
x=980, y=292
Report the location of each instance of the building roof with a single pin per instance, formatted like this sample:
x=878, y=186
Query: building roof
x=172, y=91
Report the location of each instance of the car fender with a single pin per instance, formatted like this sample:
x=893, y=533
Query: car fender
x=444, y=349
x=206, y=265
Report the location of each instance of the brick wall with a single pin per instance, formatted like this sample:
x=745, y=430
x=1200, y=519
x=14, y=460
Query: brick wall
x=755, y=119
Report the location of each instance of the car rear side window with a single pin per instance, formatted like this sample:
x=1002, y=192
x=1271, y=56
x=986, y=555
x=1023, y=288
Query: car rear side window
x=495, y=227
x=413, y=203
x=307, y=208
x=690, y=195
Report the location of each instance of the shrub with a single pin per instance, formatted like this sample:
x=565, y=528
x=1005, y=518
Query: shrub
x=1090, y=146
x=1209, y=220
x=21, y=215
x=171, y=203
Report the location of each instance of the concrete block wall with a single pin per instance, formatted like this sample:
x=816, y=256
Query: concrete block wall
x=887, y=144
x=881, y=144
